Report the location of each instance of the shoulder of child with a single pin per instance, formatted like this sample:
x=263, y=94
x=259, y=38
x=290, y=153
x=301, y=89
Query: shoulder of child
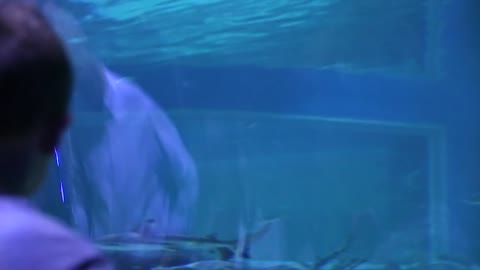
x=31, y=240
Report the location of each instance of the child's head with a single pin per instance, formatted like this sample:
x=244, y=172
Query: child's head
x=35, y=88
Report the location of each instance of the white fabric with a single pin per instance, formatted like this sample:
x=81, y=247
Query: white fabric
x=30, y=240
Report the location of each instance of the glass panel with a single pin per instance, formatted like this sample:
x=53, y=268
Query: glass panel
x=272, y=134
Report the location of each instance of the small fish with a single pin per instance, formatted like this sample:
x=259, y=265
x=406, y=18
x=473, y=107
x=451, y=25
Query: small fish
x=77, y=40
x=453, y=259
x=473, y=201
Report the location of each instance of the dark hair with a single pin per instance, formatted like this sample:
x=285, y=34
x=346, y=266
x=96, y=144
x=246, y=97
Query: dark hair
x=35, y=73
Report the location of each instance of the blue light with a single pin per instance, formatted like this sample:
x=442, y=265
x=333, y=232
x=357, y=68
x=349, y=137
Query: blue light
x=57, y=159
x=62, y=192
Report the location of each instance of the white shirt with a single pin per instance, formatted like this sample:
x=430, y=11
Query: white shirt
x=31, y=240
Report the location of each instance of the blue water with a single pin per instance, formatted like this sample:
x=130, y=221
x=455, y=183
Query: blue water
x=373, y=146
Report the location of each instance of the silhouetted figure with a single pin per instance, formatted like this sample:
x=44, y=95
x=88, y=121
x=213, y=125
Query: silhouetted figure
x=35, y=82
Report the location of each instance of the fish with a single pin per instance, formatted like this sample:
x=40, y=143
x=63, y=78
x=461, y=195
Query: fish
x=144, y=250
x=243, y=265
x=473, y=200
x=249, y=264
x=455, y=260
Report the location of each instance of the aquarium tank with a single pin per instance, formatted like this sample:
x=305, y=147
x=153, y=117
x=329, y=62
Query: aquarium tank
x=293, y=135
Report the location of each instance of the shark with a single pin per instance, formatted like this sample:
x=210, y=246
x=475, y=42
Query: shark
x=332, y=260
x=139, y=249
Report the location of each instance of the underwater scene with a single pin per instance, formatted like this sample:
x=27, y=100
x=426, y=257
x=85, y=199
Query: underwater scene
x=272, y=135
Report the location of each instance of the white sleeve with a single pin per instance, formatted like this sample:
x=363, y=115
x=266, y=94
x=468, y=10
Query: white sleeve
x=33, y=242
